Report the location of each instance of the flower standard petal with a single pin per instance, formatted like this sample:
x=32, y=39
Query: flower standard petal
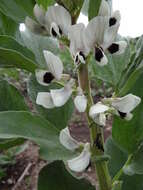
x=126, y=104
x=44, y=77
x=55, y=65
x=39, y=14
x=67, y=141
x=44, y=99
x=80, y=103
x=81, y=162
x=62, y=95
x=60, y=16
x=104, y=9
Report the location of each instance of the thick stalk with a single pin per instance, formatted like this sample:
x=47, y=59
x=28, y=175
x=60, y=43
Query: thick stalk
x=96, y=133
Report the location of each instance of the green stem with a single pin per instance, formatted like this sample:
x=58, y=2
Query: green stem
x=96, y=133
x=120, y=172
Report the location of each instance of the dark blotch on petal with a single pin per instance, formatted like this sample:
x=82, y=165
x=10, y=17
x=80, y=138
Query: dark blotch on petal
x=54, y=32
x=60, y=31
x=81, y=54
x=112, y=21
x=98, y=54
x=48, y=77
x=122, y=115
x=76, y=59
x=113, y=48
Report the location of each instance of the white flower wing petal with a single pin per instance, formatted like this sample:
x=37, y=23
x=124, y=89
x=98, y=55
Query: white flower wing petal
x=80, y=103
x=67, y=141
x=39, y=14
x=104, y=9
x=44, y=99
x=97, y=109
x=40, y=76
x=55, y=65
x=81, y=162
x=127, y=103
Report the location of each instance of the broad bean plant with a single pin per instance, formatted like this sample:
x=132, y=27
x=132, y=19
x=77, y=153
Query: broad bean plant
x=95, y=52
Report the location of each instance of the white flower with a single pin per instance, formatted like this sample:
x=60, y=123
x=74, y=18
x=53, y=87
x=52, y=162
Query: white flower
x=62, y=95
x=67, y=141
x=80, y=101
x=104, y=9
x=39, y=26
x=58, y=21
x=55, y=69
x=81, y=162
x=100, y=35
x=78, y=48
x=125, y=105
x=97, y=113
x=44, y=99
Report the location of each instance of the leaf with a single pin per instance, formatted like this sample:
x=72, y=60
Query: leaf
x=13, y=59
x=8, y=42
x=62, y=114
x=10, y=98
x=94, y=6
x=129, y=134
x=118, y=157
x=17, y=9
x=8, y=26
x=20, y=124
x=54, y=176
x=45, y=3
x=9, y=143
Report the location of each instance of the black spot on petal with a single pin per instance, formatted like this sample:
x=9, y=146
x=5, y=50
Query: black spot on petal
x=113, y=48
x=81, y=54
x=112, y=21
x=60, y=31
x=48, y=77
x=122, y=115
x=98, y=54
x=54, y=32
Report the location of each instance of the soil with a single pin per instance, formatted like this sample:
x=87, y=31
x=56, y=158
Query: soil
x=29, y=159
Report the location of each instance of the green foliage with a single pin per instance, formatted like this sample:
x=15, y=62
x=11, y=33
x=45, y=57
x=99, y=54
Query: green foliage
x=25, y=125
x=94, y=6
x=17, y=9
x=45, y=3
x=63, y=112
x=54, y=176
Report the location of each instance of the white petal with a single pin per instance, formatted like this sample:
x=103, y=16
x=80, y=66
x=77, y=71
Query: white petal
x=60, y=16
x=39, y=14
x=40, y=77
x=55, y=65
x=100, y=119
x=35, y=27
x=44, y=99
x=94, y=32
x=81, y=162
x=121, y=47
x=66, y=140
x=97, y=109
x=117, y=16
x=54, y=30
x=127, y=103
x=104, y=9
x=62, y=95
x=80, y=103
x=129, y=116
x=76, y=37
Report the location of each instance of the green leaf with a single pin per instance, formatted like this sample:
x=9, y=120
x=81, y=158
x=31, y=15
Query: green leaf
x=45, y=3
x=14, y=124
x=52, y=115
x=9, y=143
x=94, y=6
x=10, y=43
x=13, y=59
x=10, y=98
x=118, y=157
x=17, y=9
x=8, y=26
x=54, y=176
x=129, y=134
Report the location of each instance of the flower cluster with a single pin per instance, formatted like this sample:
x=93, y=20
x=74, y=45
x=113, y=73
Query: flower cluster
x=99, y=37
